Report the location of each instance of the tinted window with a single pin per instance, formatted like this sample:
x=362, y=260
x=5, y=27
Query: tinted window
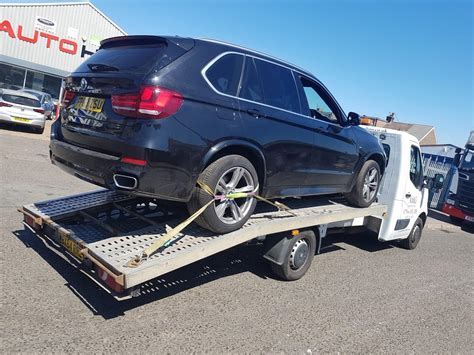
x=139, y=59
x=314, y=104
x=224, y=74
x=279, y=88
x=416, y=169
x=21, y=100
x=251, y=88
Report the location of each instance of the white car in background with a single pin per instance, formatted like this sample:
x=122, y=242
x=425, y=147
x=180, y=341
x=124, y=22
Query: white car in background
x=18, y=107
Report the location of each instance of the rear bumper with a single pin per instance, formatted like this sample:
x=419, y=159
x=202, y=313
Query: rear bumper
x=100, y=169
x=37, y=122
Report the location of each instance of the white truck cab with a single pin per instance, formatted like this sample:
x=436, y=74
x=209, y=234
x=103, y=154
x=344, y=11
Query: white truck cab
x=403, y=188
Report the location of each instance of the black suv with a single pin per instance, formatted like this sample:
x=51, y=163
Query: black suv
x=153, y=115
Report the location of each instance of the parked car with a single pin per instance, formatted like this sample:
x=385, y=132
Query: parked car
x=17, y=107
x=45, y=99
x=153, y=115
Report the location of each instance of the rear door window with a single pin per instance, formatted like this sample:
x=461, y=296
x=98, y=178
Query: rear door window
x=224, y=74
x=251, y=88
x=279, y=88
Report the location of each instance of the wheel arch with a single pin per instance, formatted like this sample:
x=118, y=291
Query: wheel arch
x=243, y=148
x=423, y=217
x=379, y=159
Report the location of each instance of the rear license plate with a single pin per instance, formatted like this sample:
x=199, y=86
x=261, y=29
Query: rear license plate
x=20, y=119
x=71, y=246
x=87, y=103
x=469, y=218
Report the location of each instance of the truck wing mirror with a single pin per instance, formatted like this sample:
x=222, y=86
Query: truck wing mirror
x=438, y=181
x=457, y=159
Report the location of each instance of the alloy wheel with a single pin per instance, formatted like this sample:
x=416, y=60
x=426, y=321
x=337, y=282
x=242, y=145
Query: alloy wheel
x=237, y=179
x=371, y=183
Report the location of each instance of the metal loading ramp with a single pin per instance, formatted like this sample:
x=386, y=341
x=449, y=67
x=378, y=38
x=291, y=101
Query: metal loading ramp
x=109, y=228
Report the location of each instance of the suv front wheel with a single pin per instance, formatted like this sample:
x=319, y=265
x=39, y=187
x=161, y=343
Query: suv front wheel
x=229, y=174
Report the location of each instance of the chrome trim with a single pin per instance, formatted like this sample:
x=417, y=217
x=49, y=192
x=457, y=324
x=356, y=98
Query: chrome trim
x=256, y=52
x=464, y=176
x=128, y=177
x=215, y=59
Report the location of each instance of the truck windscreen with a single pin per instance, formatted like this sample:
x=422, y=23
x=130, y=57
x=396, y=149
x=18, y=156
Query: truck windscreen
x=468, y=161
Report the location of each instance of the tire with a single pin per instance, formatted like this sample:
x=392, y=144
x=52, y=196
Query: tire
x=298, y=258
x=225, y=216
x=360, y=196
x=38, y=130
x=414, y=237
x=456, y=220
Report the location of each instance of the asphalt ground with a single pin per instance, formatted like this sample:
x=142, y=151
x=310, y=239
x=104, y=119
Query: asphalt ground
x=360, y=295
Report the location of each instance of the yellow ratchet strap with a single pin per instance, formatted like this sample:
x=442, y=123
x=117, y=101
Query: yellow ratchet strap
x=166, y=238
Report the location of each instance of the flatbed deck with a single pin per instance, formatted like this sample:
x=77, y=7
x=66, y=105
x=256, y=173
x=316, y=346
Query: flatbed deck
x=105, y=229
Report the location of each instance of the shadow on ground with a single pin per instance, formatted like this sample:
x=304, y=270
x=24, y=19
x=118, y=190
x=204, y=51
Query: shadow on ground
x=442, y=217
x=244, y=258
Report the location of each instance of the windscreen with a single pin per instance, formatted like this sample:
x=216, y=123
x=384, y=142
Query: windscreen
x=138, y=59
x=468, y=161
x=21, y=100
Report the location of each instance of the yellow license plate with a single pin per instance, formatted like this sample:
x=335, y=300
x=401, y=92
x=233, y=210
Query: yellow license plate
x=87, y=103
x=71, y=246
x=20, y=119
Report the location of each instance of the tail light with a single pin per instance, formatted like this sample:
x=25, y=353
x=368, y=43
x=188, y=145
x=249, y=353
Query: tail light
x=150, y=102
x=67, y=97
x=39, y=110
x=4, y=104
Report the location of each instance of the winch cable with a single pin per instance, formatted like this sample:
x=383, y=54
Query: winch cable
x=166, y=239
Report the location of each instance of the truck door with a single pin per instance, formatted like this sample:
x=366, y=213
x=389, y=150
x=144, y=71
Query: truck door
x=413, y=199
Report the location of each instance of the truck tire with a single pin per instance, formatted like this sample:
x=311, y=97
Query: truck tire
x=299, y=256
x=231, y=173
x=414, y=237
x=366, y=186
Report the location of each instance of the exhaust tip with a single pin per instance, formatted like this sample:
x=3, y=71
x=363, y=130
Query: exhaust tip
x=125, y=181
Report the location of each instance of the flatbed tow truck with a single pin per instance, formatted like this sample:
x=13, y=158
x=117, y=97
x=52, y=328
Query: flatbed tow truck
x=101, y=231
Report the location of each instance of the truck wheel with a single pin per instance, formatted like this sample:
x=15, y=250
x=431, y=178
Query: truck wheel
x=231, y=173
x=414, y=237
x=367, y=185
x=299, y=255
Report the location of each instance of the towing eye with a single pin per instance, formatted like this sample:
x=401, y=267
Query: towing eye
x=167, y=239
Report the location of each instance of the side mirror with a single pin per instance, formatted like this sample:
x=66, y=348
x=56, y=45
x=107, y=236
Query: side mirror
x=438, y=181
x=354, y=118
x=457, y=159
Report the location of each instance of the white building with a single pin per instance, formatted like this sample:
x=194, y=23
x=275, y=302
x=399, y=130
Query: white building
x=41, y=43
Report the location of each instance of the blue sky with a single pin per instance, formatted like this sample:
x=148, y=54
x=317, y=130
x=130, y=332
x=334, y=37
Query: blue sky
x=413, y=57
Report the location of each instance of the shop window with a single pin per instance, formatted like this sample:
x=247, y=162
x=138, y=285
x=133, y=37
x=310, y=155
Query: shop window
x=11, y=77
x=43, y=82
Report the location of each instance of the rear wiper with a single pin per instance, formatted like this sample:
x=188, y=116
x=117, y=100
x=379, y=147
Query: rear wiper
x=102, y=67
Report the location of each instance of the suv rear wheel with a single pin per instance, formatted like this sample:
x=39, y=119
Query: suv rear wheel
x=367, y=185
x=229, y=174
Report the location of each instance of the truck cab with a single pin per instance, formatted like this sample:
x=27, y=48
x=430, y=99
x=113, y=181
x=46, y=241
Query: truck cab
x=404, y=189
x=460, y=203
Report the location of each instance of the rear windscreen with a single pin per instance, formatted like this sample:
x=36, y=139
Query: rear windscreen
x=21, y=100
x=139, y=59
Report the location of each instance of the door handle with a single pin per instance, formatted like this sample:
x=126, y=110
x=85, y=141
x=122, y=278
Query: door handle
x=253, y=112
x=408, y=195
